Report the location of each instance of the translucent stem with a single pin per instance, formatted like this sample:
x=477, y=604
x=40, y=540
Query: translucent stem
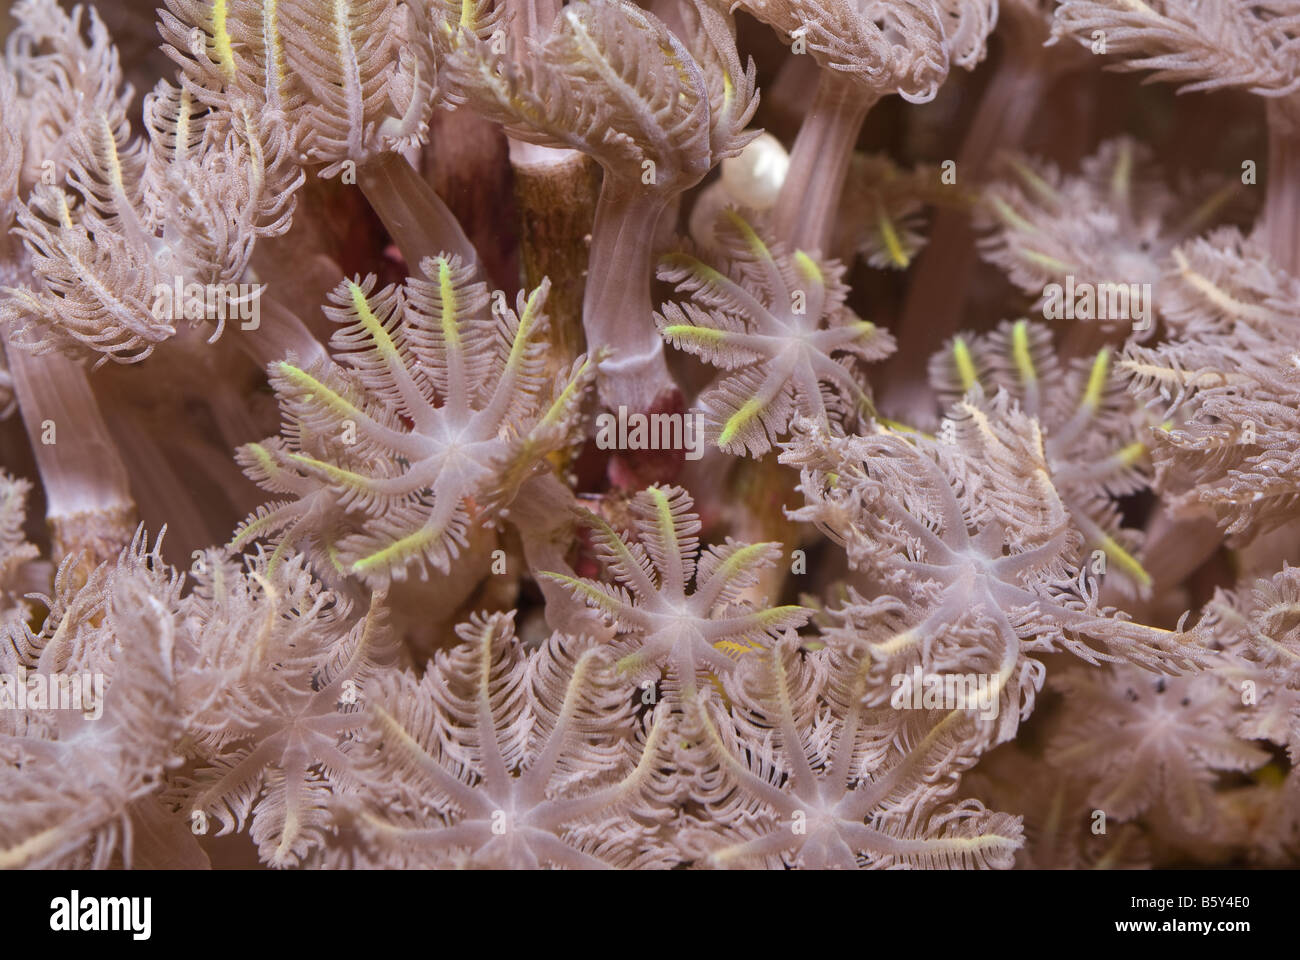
x=280, y=333
x=532, y=18
x=1175, y=548
x=819, y=163
x=1280, y=221
x=944, y=271
x=617, y=311
x=280, y=329
x=543, y=514
x=416, y=218
x=193, y=518
x=87, y=494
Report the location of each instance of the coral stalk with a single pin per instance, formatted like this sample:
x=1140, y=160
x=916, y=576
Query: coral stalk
x=280, y=333
x=936, y=296
x=805, y=210
x=617, y=307
x=556, y=192
x=88, y=500
x=416, y=217
x=1279, y=223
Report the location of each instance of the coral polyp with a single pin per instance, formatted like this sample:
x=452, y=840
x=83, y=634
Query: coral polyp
x=528, y=434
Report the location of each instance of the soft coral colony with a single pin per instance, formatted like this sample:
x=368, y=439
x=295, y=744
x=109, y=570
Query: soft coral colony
x=926, y=602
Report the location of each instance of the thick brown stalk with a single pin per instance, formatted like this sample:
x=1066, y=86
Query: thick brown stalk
x=556, y=192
